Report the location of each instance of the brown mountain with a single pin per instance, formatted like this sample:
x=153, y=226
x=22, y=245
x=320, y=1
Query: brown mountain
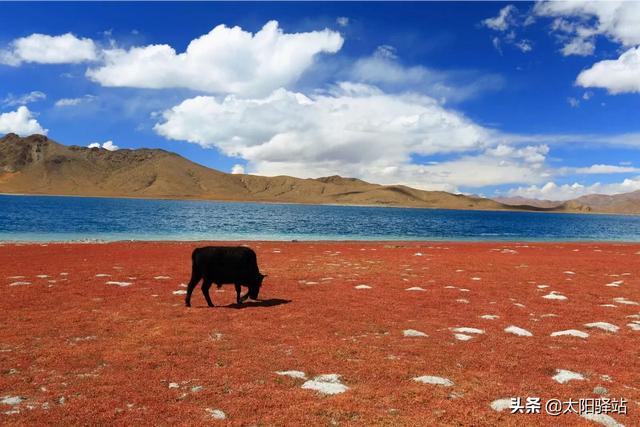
x=39, y=165
x=519, y=201
x=628, y=203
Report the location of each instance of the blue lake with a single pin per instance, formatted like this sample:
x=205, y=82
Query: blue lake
x=50, y=218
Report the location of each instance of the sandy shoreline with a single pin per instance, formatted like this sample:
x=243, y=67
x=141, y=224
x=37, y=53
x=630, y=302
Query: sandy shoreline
x=97, y=333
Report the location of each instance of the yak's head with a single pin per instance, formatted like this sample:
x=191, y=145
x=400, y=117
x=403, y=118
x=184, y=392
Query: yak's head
x=254, y=288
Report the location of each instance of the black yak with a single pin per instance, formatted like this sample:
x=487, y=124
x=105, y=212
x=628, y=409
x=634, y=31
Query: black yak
x=222, y=265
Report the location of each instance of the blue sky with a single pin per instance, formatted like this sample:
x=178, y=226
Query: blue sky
x=530, y=99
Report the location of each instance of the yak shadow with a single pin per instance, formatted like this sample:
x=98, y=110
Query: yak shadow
x=272, y=302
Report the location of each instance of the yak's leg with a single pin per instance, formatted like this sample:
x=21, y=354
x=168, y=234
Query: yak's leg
x=238, y=297
x=195, y=278
x=205, y=291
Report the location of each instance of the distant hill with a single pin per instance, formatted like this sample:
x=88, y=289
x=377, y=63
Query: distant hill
x=519, y=201
x=39, y=165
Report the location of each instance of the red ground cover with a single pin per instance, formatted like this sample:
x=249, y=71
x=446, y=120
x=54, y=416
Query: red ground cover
x=80, y=351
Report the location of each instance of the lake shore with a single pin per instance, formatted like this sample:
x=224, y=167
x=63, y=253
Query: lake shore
x=97, y=333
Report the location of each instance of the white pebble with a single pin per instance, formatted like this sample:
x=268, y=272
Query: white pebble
x=413, y=333
x=570, y=332
x=518, y=331
x=563, y=376
x=428, y=379
x=217, y=414
x=603, y=325
x=326, y=384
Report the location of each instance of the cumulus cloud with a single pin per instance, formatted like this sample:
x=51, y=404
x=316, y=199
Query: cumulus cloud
x=226, y=60
x=553, y=191
x=46, y=49
x=108, y=145
x=577, y=24
x=617, y=20
x=21, y=122
x=616, y=76
x=353, y=130
x=237, y=169
x=12, y=100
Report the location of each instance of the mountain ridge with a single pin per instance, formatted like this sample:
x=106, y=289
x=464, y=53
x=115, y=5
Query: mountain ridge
x=39, y=165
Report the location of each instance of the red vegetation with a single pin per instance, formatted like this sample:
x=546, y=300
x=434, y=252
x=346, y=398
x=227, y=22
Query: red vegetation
x=80, y=351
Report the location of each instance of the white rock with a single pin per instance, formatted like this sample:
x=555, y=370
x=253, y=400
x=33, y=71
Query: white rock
x=326, y=384
x=622, y=300
x=501, y=404
x=162, y=277
x=603, y=325
x=634, y=326
x=615, y=284
x=462, y=337
x=602, y=419
x=174, y=385
x=570, y=332
x=563, y=376
x=216, y=414
x=19, y=283
x=428, y=379
x=556, y=296
x=11, y=400
x=466, y=330
x=415, y=288
x=489, y=316
x=121, y=284
x=413, y=333
x=363, y=287
x=180, y=292
x=569, y=272
x=102, y=275
x=292, y=374
x=518, y=331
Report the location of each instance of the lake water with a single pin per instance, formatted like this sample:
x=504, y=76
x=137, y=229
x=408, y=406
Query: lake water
x=46, y=218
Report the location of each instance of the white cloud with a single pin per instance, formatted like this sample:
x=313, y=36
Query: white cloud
x=343, y=21
x=504, y=20
x=20, y=122
x=574, y=102
x=355, y=130
x=382, y=68
x=617, y=76
x=71, y=102
x=108, y=145
x=237, y=169
x=605, y=169
x=579, y=46
x=553, y=191
x=524, y=46
x=226, y=60
x=507, y=22
x=618, y=20
x=45, y=49
x=27, y=98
